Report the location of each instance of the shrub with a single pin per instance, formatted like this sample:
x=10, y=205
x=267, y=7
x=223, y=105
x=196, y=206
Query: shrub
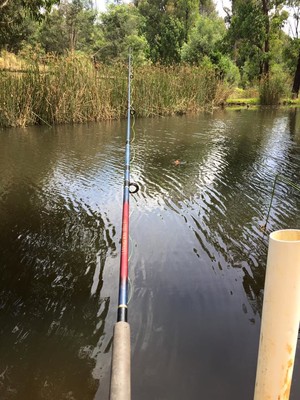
x=273, y=87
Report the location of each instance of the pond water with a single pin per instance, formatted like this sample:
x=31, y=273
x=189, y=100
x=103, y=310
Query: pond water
x=197, y=261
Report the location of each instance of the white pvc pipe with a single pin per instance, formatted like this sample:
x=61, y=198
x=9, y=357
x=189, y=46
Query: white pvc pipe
x=280, y=317
x=120, y=385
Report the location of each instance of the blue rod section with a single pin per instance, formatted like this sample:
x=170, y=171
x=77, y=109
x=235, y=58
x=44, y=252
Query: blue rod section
x=123, y=283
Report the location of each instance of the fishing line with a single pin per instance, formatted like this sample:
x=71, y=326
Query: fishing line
x=133, y=128
x=133, y=137
x=130, y=290
x=278, y=178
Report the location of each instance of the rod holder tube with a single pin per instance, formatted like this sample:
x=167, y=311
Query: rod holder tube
x=280, y=317
x=120, y=384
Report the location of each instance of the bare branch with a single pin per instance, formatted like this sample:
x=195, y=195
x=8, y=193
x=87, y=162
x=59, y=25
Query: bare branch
x=3, y=3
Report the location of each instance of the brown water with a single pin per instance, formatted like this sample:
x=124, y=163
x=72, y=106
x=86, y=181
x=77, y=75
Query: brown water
x=197, y=260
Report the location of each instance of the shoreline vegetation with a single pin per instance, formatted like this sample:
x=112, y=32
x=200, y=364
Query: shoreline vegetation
x=73, y=89
x=64, y=61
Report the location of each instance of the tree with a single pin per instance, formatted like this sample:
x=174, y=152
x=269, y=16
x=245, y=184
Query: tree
x=204, y=39
x=15, y=28
x=34, y=7
x=121, y=27
x=245, y=35
x=17, y=20
x=71, y=26
x=186, y=11
x=207, y=7
x=163, y=29
x=53, y=34
x=79, y=19
x=254, y=26
x=295, y=45
x=273, y=22
x=204, y=47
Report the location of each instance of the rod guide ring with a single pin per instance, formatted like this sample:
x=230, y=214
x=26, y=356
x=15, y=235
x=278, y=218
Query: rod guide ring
x=135, y=186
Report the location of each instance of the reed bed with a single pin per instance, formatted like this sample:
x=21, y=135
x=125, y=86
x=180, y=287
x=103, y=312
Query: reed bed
x=272, y=88
x=72, y=89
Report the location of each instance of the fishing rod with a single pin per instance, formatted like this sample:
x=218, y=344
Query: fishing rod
x=120, y=385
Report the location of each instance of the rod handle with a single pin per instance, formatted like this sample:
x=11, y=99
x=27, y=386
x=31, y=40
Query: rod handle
x=120, y=383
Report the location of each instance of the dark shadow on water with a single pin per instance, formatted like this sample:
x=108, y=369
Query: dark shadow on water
x=52, y=256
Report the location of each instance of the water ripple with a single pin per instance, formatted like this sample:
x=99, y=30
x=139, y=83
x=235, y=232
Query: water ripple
x=197, y=250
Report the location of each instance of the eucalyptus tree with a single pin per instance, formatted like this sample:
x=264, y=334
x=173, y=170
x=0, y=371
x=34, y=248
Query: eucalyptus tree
x=34, y=7
x=186, y=11
x=295, y=44
x=254, y=26
x=204, y=40
x=205, y=47
x=274, y=17
x=52, y=33
x=121, y=27
x=163, y=30
x=70, y=26
x=207, y=7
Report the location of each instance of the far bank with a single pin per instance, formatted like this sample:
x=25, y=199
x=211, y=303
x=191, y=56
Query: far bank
x=73, y=89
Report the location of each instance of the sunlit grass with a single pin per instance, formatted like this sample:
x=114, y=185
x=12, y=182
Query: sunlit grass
x=243, y=101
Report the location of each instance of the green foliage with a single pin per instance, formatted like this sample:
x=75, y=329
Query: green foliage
x=245, y=35
x=269, y=93
x=71, y=26
x=138, y=47
x=243, y=95
x=203, y=47
x=169, y=41
x=250, y=71
x=18, y=21
x=204, y=39
x=186, y=11
x=163, y=29
x=16, y=26
x=291, y=53
x=228, y=70
x=254, y=35
x=121, y=28
x=207, y=7
x=207, y=63
x=33, y=7
x=53, y=33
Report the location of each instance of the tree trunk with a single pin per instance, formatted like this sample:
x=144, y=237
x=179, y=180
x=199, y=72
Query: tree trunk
x=296, y=84
x=266, y=49
x=186, y=24
x=233, y=6
x=73, y=37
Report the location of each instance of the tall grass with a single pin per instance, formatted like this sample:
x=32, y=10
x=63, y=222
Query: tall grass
x=72, y=89
x=271, y=90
